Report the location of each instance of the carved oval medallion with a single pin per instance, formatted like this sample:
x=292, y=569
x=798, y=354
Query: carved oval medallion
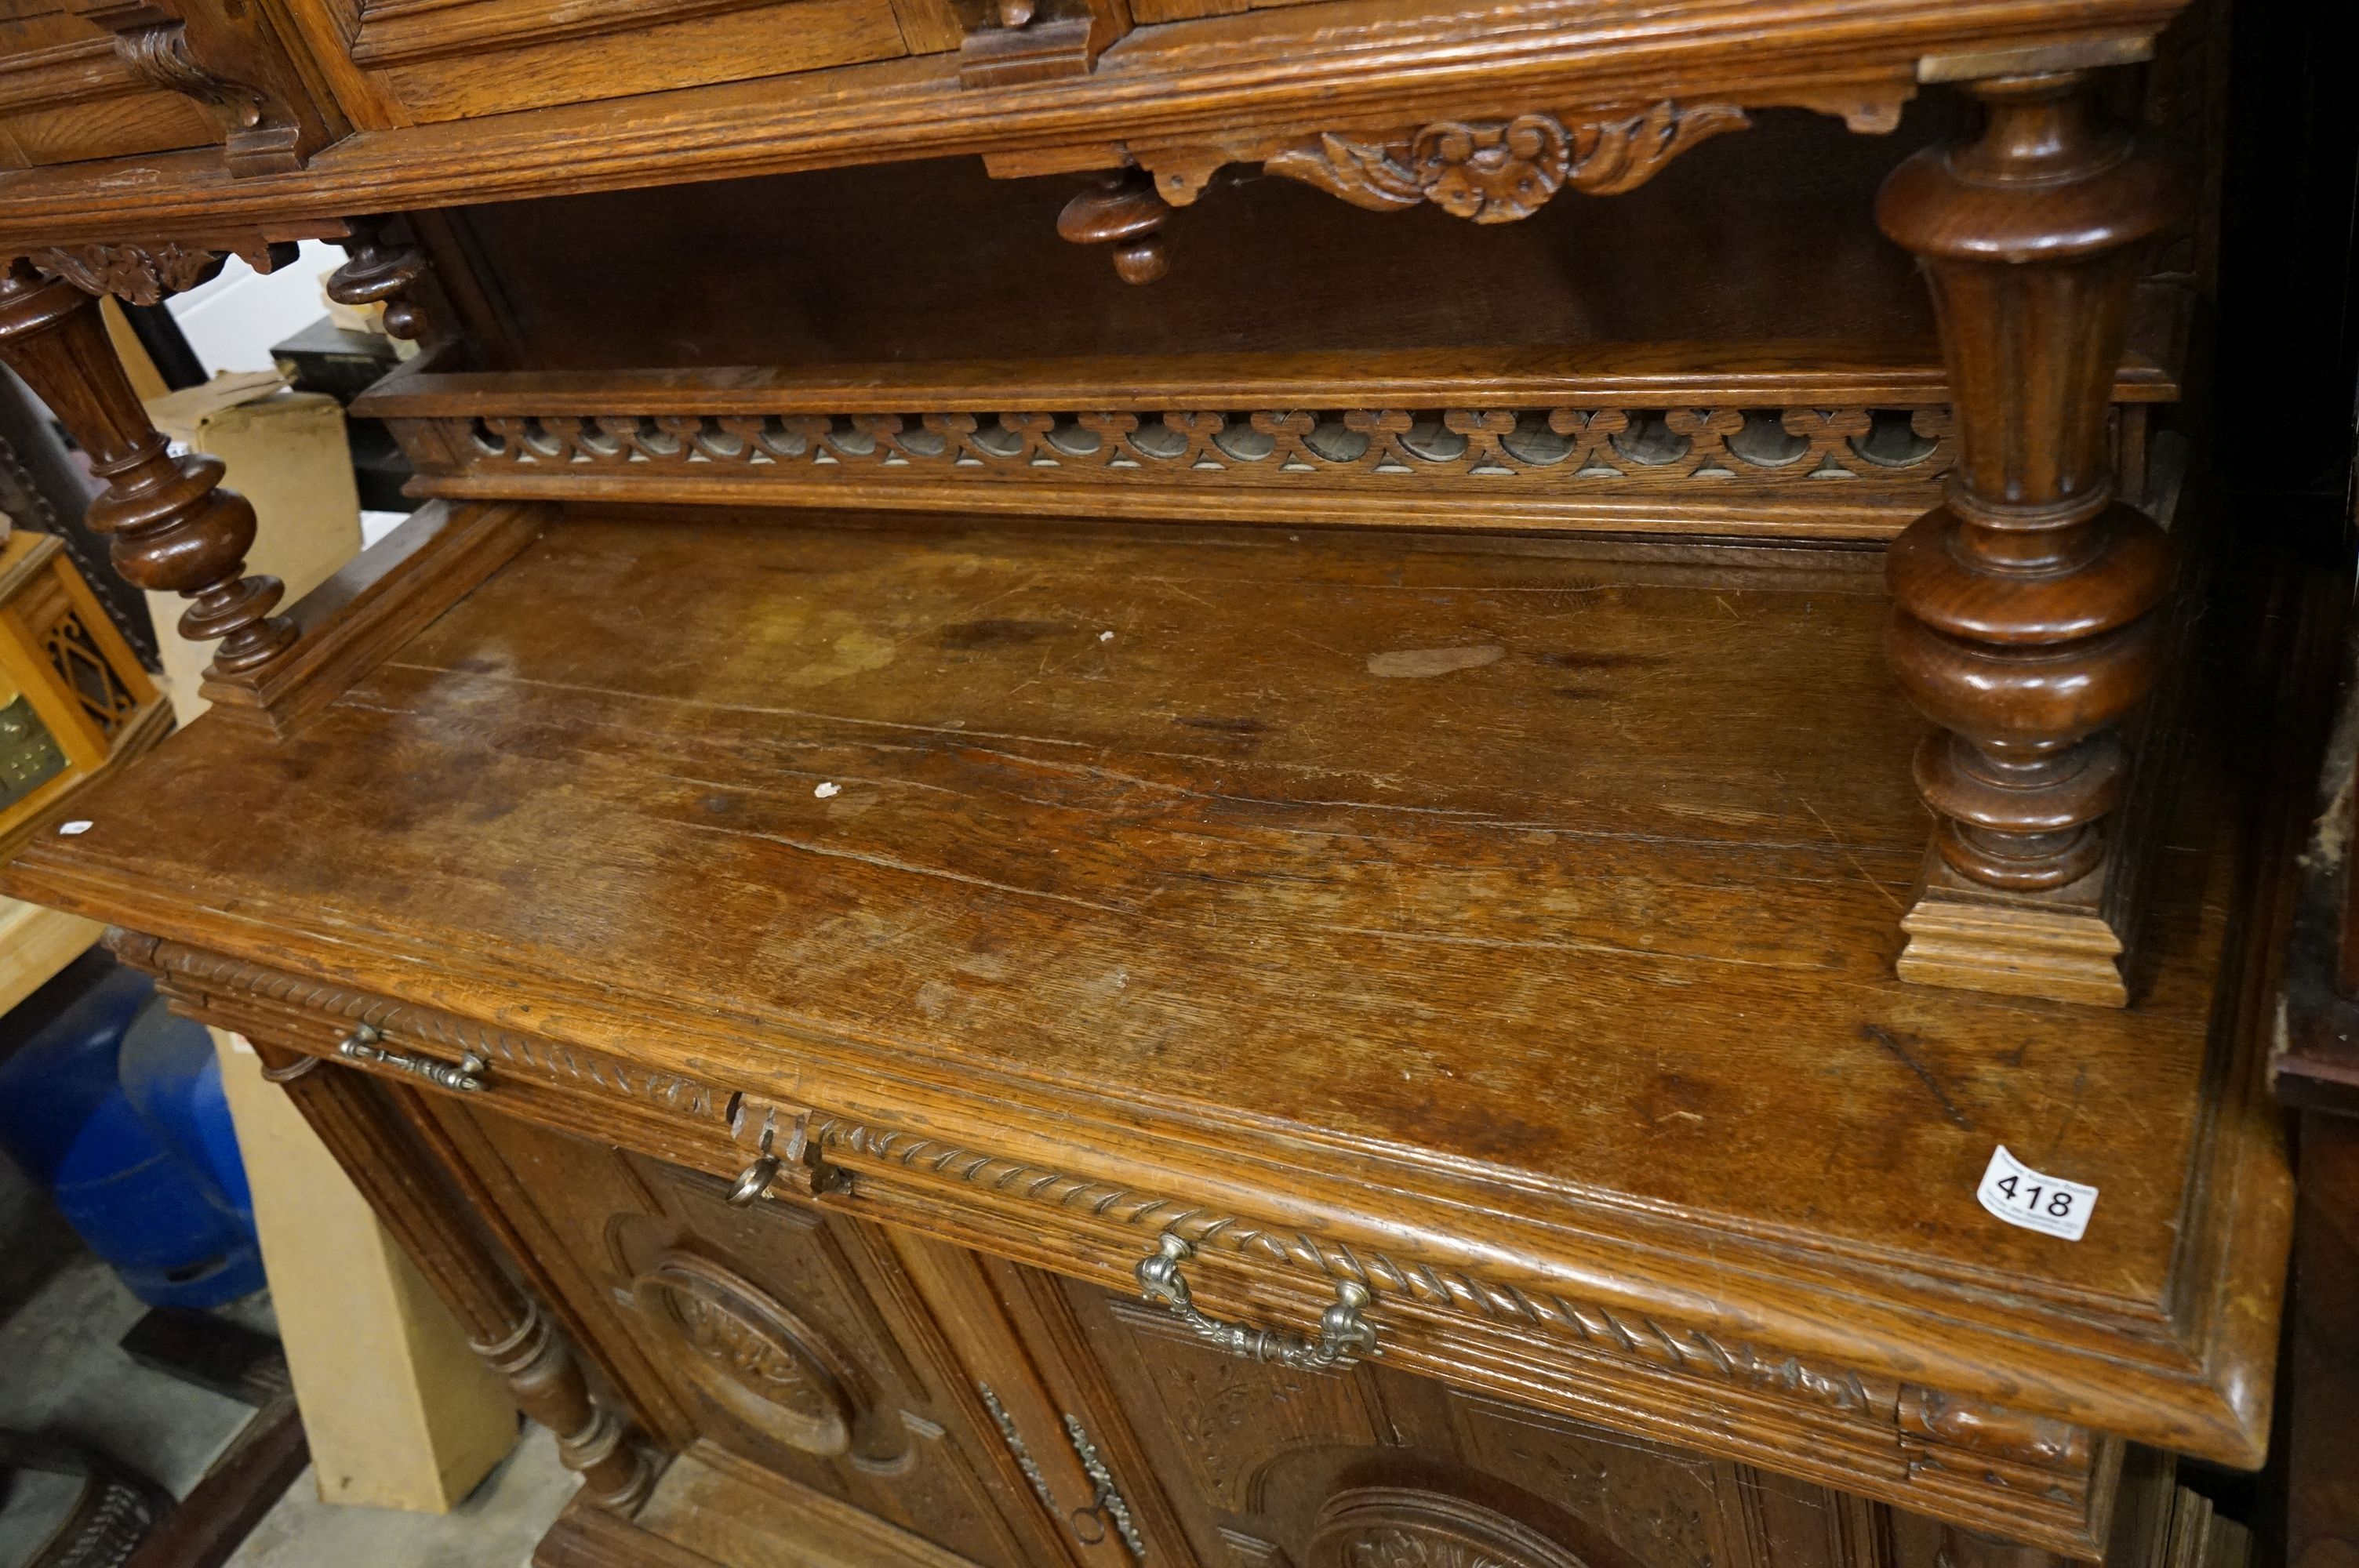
x=751, y=1355
x=1408, y=1527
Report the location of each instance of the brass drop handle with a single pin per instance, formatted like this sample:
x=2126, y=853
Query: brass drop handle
x=1344, y=1335
x=756, y=1177
x=362, y=1046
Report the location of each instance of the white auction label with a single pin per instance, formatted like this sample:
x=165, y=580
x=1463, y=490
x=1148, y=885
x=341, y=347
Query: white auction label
x=2021, y=1195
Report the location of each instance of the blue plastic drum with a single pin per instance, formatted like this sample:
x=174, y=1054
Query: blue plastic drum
x=116, y=1107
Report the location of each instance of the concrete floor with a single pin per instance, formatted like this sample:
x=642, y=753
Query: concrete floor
x=496, y=1527
x=61, y=1370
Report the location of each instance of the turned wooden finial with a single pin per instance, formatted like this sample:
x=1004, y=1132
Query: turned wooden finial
x=378, y=270
x=170, y=525
x=1125, y=212
x=2027, y=621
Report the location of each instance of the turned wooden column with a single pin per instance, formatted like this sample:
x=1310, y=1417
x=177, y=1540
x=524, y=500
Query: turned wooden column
x=2028, y=618
x=170, y=525
x=376, y=1145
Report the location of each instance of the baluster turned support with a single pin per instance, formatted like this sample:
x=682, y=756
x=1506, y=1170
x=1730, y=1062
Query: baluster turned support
x=377, y=1145
x=2029, y=619
x=171, y=526
x=1124, y=211
x=380, y=270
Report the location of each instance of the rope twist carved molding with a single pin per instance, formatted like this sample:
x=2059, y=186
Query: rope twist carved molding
x=2057, y=1449
x=1572, y=447
x=1632, y=1335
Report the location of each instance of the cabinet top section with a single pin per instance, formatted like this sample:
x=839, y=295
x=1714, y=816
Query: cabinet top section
x=324, y=109
x=1516, y=914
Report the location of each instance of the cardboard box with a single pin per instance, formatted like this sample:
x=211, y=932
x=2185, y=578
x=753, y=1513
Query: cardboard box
x=286, y=453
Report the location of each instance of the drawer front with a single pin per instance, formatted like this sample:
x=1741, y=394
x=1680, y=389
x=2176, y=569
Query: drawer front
x=439, y=60
x=1227, y=1278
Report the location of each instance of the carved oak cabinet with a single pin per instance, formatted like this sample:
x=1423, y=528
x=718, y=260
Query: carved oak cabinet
x=1233, y=785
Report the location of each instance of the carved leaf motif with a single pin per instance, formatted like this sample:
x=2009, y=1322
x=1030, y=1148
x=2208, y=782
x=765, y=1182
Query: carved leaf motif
x=1622, y=155
x=142, y=274
x=1498, y=171
x=1364, y=175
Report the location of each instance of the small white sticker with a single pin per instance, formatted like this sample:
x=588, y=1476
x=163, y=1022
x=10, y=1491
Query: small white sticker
x=1106, y=636
x=2034, y=1200
x=72, y=829
x=829, y=790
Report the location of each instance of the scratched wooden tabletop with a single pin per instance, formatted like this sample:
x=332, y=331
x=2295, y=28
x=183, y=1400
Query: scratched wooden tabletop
x=1570, y=870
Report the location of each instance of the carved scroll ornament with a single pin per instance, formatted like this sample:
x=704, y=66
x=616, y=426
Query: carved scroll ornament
x=227, y=60
x=159, y=50
x=1491, y=171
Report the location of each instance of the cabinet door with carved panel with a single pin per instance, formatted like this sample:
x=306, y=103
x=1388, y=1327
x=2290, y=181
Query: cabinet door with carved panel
x=1273, y=1467
x=790, y=1339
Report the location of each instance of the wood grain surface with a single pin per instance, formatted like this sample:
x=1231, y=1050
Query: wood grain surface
x=1532, y=904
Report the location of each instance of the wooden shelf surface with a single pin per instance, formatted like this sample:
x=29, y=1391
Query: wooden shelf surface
x=1532, y=903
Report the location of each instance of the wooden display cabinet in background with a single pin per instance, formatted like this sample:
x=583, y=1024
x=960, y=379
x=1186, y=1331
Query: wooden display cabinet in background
x=77, y=702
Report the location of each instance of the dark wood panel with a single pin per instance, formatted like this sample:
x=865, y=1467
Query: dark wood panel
x=846, y=266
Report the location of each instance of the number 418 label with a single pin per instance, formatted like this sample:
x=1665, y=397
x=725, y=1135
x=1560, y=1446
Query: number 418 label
x=2021, y=1195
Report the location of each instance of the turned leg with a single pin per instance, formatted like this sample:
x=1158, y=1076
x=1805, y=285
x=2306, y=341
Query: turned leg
x=377, y=1145
x=171, y=525
x=2028, y=618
